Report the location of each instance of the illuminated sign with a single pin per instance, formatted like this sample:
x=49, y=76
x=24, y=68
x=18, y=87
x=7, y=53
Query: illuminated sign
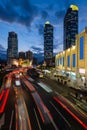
x=74, y=7
x=47, y=22
x=82, y=71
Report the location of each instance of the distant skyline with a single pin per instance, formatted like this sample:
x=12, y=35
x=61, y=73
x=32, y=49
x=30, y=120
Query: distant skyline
x=27, y=19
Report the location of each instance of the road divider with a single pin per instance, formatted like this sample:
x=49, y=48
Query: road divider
x=70, y=112
x=43, y=111
x=37, y=120
x=47, y=89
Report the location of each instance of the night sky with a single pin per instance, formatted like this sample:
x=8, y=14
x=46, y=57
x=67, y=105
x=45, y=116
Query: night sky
x=27, y=19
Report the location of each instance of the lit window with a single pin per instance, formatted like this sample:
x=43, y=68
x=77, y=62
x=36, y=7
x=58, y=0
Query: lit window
x=81, y=48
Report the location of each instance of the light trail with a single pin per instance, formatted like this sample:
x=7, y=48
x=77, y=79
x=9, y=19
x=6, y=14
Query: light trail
x=4, y=102
x=70, y=112
x=47, y=89
x=37, y=120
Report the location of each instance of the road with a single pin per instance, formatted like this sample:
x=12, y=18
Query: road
x=7, y=116
x=39, y=105
x=63, y=118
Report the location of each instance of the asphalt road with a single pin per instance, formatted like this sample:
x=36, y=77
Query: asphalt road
x=62, y=118
x=8, y=116
x=46, y=108
x=34, y=115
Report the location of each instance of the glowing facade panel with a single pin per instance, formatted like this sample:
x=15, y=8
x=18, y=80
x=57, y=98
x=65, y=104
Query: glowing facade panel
x=74, y=7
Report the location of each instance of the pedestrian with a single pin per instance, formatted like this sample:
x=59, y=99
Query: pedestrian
x=81, y=96
x=76, y=95
x=84, y=84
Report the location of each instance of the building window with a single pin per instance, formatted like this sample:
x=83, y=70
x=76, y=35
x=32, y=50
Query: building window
x=58, y=62
x=74, y=60
x=81, y=48
x=68, y=63
x=63, y=61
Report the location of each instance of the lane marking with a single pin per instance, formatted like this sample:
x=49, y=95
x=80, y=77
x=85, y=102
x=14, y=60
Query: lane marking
x=11, y=120
x=37, y=120
x=53, y=123
x=16, y=110
x=47, y=89
x=70, y=112
x=72, y=105
x=28, y=119
x=60, y=114
x=23, y=120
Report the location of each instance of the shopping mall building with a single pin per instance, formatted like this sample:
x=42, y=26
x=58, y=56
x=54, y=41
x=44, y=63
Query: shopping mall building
x=74, y=59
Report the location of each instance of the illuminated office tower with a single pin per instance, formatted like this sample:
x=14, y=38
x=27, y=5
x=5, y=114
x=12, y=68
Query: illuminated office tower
x=70, y=26
x=12, y=51
x=48, y=41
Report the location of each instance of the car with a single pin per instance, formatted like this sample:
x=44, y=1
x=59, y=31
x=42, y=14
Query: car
x=17, y=83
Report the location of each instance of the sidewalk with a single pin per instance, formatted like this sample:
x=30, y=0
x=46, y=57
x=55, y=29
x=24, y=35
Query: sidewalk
x=80, y=103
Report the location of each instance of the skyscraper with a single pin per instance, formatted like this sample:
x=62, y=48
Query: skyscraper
x=12, y=51
x=22, y=55
x=48, y=41
x=29, y=55
x=70, y=26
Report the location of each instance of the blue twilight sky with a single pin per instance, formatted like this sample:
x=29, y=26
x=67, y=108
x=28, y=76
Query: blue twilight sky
x=27, y=18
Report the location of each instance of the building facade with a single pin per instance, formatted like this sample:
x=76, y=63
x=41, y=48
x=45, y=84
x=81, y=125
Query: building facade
x=48, y=42
x=22, y=55
x=74, y=60
x=29, y=55
x=12, y=51
x=70, y=26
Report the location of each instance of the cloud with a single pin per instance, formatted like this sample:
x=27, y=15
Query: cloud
x=19, y=11
x=58, y=48
x=44, y=14
x=50, y=7
x=40, y=28
x=58, y=45
x=60, y=14
x=39, y=56
x=36, y=49
x=1, y=47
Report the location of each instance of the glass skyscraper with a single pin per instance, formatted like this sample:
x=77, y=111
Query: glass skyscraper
x=70, y=26
x=12, y=51
x=48, y=41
